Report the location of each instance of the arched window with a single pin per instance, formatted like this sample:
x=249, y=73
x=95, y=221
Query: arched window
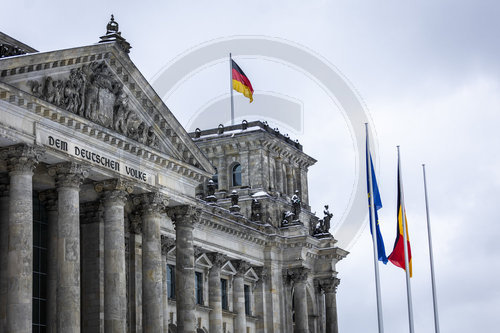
x=237, y=175
x=215, y=177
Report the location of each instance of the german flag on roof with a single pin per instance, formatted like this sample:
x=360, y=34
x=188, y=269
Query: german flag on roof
x=241, y=83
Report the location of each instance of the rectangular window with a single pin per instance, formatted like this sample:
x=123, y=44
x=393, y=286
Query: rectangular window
x=39, y=267
x=246, y=288
x=171, y=281
x=198, y=283
x=223, y=291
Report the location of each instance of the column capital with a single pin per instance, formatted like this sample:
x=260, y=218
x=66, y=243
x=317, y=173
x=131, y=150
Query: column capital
x=49, y=199
x=262, y=272
x=184, y=214
x=134, y=224
x=69, y=174
x=114, y=190
x=151, y=203
x=298, y=274
x=22, y=158
x=329, y=285
x=241, y=267
x=217, y=259
x=91, y=212
x=167, y=243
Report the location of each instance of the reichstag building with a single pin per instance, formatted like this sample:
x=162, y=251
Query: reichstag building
x=113, y=218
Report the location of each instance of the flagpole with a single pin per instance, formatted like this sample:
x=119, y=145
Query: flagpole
x=231, y=87
x=431, y=256
x=405, y=241
x=374, y=234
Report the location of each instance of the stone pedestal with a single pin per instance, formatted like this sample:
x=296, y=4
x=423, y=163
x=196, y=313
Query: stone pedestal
x=69, y=177
x=4, y=240
x=240, y=321
x=151, y=206
x=185, y=218
x=115, y=298
x=330, y=288
x=299, y=278
x=49, y=199
x=21, y=162
x=214, y=292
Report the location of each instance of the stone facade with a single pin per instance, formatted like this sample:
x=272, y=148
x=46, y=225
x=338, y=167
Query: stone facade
x=141, y=226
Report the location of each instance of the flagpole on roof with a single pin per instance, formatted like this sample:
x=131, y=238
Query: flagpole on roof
x=231, y=87
x=431, y=256
x=374, y=234
x=405, y=244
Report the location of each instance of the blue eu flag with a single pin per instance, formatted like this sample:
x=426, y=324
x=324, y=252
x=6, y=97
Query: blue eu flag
x=378, y=204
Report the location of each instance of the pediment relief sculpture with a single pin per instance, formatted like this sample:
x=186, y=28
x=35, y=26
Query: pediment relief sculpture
x=93, y=92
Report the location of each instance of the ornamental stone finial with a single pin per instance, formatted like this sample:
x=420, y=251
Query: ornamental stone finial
x=112, y=26
x=69, y=174
x=114, y=35
x=22, y=157
x=184, y=214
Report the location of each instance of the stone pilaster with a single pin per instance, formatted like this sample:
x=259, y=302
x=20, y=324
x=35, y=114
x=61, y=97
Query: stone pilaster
x=222, y=174
x=151, y=207
x=4, y=240
x=299, y=277
x=21, y=162
x=289, y=180
x=49, y=199
x=214, y=291
x=69, y=177
x=114, y=197
x=260, y=299
x=166, y=245
x=184, y=218
x=135, y=273
x=240, y=321
x=330, y=287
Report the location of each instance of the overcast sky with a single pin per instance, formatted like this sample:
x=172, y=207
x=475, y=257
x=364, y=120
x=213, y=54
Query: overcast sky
x=429, y=75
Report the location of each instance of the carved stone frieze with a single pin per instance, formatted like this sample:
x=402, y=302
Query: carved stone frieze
x=69, y=174
x=22, y=157
x=93, y=92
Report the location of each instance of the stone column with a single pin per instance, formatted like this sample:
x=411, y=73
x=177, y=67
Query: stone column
x=299, y=277
x=240, y=321
x=222, y=174
x=166, y=245
x=135, y=273
x=184, y=218
x=49, y=198
x=114, y=197
x=151, y=207
x=279, y=175
x=260, y=302
x=330, y=287
x=4, y=240
x=21, y=162
x=289, y=180
x=69, y=177
x=214, y=292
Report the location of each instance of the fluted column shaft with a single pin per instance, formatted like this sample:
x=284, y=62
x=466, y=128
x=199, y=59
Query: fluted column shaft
x=115, y=298
x=214, y=292
x=330, y=288
x=69, y=177
x=184, y=218
x=21, y=162
x=152, y=205
x=49, y=198
x=4, y=241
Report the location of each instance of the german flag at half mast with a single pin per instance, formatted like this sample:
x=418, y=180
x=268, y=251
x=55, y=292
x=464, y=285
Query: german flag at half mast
x=241, y=83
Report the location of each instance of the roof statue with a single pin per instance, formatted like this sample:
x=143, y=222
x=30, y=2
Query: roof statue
x=114, y=35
